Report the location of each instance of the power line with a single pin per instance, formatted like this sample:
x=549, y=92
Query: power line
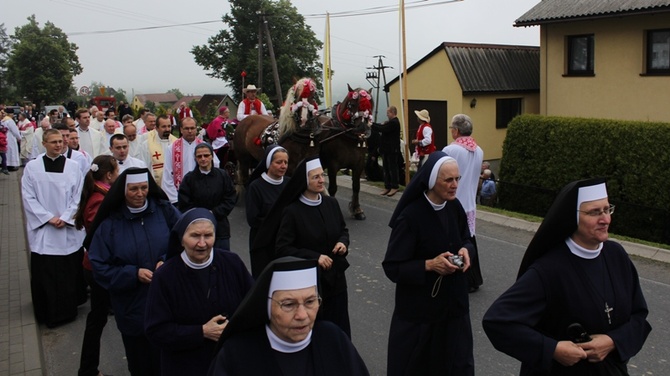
x=343, y=14
x=139, y=28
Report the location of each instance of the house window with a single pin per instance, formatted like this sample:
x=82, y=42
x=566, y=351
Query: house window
x=658, y=51
x=580, y=55
x=506, y=110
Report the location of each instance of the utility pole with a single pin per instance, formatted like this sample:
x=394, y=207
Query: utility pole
x=373, y=79
x=259, y=79
x=275, y=73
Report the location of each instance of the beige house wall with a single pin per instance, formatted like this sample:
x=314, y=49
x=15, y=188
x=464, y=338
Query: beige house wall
x=619, y=89
x=435, y=79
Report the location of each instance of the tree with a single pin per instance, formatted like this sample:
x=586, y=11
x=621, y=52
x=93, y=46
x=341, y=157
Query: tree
x=43, y=62
x=5, y=49
x=177, y=93
x=151, y=106
x=234, y=49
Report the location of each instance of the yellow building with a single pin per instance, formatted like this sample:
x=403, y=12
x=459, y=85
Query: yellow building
x=604, y=58
x=165, y=99
x=489, y=83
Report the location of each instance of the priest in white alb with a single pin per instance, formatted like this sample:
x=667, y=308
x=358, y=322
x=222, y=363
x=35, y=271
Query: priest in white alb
x=156, y=144
x=51, y=187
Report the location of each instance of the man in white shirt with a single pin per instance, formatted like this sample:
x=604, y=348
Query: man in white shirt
x=98, y=121
x=134, y=141
x=80, y=158
x=180, y=158
x=250, y=105
x=110, y=129
x=119, y=150
x=90, y=140
x=50, y=189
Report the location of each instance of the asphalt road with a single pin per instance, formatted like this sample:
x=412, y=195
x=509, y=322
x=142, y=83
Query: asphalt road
x=371, y=298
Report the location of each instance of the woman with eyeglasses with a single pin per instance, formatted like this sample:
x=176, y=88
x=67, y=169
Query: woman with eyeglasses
x=427, y=256
x=576, y=307
x=275, y=331
x=193, y=294
x=307, y=224
x=210, y=188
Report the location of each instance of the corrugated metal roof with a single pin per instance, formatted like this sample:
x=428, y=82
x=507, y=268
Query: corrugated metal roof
x=495, y=68
x=561, y=10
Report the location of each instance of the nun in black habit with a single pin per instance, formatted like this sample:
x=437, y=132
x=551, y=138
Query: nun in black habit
x=307, y=224
x=264, y=186
x=430, y=330
x=193, y=294
x=571, y=274
x=274, y=332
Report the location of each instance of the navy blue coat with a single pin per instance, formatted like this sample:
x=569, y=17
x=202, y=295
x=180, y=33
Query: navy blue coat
x=121, y=245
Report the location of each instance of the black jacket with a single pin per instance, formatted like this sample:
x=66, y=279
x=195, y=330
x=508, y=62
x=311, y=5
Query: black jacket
x=213, y=191
x=390, y=142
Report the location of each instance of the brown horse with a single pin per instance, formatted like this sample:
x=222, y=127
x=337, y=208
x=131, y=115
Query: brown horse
x=339, y=141
x=248, y=150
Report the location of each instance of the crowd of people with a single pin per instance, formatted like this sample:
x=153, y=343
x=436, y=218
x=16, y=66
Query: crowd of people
x=141, y=218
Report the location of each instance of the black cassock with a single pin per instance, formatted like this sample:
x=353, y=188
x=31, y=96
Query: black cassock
x=430, y=329
x=311, y=231
x=559, y=289
x=329, y=353
x=259, y=198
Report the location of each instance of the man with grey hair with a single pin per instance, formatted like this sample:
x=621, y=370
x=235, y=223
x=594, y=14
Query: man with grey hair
x=469, y=157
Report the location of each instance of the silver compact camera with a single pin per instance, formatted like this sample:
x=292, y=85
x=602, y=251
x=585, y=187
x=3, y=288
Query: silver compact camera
x=457, y=260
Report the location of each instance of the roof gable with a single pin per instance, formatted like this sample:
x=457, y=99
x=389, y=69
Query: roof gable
x=209, y=99
x=186, y=99
x=490, y=67
x=495, y=68
x=564, y=10
x=157, y=98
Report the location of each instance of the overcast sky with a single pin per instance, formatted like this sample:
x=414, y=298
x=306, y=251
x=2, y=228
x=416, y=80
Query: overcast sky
x=154, y=61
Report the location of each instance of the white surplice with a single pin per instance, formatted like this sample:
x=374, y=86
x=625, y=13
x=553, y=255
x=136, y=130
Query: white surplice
x=46, y=195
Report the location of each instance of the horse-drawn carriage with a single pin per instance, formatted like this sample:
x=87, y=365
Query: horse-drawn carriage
x=303, y=130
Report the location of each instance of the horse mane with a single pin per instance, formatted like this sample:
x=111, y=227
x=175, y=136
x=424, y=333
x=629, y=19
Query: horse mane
x=287, y=123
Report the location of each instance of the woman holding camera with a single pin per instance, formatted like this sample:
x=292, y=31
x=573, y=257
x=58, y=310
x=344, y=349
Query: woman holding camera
x=427, y=255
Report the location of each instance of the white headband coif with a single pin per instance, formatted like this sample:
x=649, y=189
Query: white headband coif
x=268, y=161
x=291, y=280
x=136, y=178
x=312, y=165
x=436, y=170
x=590, y=193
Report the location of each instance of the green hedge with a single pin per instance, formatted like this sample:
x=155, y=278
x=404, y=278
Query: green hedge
x=542, y=153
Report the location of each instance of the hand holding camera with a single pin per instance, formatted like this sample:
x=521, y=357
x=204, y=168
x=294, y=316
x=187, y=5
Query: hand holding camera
x=448, y=263
x=456, y=260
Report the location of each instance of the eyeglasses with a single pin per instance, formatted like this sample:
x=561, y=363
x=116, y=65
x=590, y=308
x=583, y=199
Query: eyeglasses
x=202, y=156
x=289, y=306
x=598, y=212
